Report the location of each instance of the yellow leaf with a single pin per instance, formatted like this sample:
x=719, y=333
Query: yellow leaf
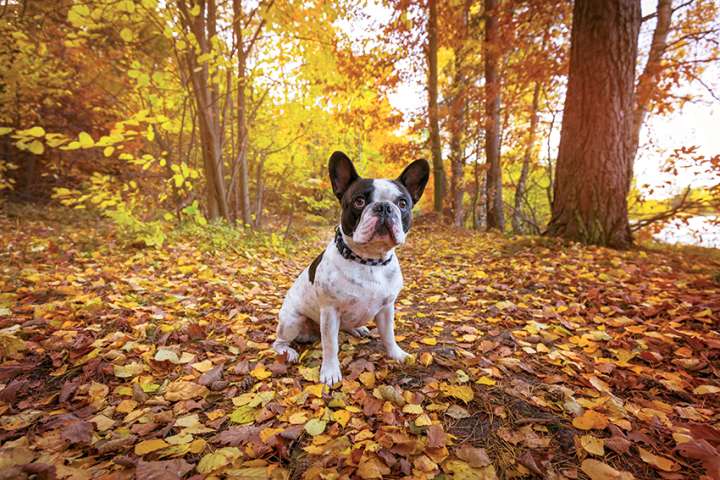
x=36, y=147
x=426, y=359
x=36, y=132
x=218, y=459
x=662, y=463
x=85, y=140
x=705, y=389
x=429, y=341
x=297, y=418
x=260, y=372
x=413, y=409
x=461, y=392
x=5, y=130
x=486, y=381
x=203, y=366
x=341, y=416
x=590, y=420
x=598, y=470
x=423, y=421
x=126, y=406
x=148, y=446
x=593, y=445
x=107, y=151
x=316, y=390
x=126, y=34
x=368, y=379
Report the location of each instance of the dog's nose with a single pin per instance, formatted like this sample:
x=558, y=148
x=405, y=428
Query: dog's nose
x=383, y=209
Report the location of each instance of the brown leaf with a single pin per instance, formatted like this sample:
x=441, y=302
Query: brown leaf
x=162, y=470
x=212, y=375
x=527, y=459
x=436, y=436
x=237, y=436
x=706, y=453
x=475, y=457
x=79, y=432
x=598, y=470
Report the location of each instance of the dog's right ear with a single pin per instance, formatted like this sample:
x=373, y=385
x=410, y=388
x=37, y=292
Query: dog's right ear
x=342, y=173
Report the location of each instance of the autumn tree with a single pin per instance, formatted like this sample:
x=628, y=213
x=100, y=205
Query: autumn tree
x=494, y=202
x=591, y=184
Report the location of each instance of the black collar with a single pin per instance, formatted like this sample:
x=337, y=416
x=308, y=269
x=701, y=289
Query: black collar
x=348, y=254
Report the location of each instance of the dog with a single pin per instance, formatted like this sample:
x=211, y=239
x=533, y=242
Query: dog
x=357, y=277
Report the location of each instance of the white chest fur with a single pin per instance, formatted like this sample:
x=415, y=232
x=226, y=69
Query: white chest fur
x=356, y=291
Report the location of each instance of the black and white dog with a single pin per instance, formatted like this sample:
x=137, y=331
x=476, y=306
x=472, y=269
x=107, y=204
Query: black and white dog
x=358, y=276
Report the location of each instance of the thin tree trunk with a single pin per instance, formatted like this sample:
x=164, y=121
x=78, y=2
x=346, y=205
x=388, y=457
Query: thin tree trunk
x=435, y=148
x=457, y=121
x=525, y=169
x=494, y=202
x=591, y=179
x=648, y=80
x=242, y=131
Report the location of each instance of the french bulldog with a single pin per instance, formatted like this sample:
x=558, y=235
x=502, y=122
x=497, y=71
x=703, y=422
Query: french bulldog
x=357, y=277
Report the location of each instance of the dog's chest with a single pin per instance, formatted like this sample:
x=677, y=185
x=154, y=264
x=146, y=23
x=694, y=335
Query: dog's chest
x=359, y=292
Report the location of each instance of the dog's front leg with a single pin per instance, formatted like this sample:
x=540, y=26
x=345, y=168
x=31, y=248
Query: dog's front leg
x=385, y=321
x=329, y=332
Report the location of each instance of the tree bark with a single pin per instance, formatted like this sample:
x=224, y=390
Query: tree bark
x=457, y=120
x=211, y=136
x=648, y=80
x=494, y=200
x=435, y=148
x=591, y=181
x=242, y=162
x=525, y=169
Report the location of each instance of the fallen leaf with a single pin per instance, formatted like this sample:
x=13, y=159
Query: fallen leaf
x=598, y=470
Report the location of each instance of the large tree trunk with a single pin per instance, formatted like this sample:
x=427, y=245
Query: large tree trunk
x=525, y=169
x=457, y=120
x=648, y=80
x=494, y=205
x=432, y=59
x=591, y=182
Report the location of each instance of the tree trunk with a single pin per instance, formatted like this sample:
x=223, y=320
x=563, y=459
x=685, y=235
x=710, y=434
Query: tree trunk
x=522, y=181
x=210, y=134
x=432, y=58
x=648, y=80
x=242, y=162
x=457, y=121
x=494, y=205
x=591, y=180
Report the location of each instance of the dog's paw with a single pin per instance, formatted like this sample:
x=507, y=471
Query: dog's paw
x=291, y=355
x=399, y=355
x=330, y=374
x=360, y=332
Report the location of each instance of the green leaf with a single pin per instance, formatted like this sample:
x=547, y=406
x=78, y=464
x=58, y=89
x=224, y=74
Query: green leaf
x=315, y=426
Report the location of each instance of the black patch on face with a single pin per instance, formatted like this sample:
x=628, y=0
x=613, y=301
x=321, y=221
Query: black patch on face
x=406, y=214
x=313, y=267
x=350, y=213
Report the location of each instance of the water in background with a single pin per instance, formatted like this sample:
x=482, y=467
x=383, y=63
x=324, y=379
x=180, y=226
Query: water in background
x=698, y=231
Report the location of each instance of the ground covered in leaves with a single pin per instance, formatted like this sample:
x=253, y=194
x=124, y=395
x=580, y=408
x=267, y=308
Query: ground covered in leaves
x=533, y=359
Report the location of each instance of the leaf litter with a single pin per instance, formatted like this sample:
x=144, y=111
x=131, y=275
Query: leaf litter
x=532, y=358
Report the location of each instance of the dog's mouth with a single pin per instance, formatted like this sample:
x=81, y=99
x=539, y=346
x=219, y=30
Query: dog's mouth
x=384, y=230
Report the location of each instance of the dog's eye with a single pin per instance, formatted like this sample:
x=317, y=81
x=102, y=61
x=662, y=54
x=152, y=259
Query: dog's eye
x=359, y=202
x=402, y=203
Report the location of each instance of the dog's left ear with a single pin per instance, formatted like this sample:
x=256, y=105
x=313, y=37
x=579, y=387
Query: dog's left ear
x=342, y=173
x=415, y=177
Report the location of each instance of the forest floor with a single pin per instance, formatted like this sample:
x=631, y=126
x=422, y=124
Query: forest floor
x=532, y=358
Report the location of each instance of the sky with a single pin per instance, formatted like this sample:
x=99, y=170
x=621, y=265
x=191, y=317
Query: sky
x=696, y=123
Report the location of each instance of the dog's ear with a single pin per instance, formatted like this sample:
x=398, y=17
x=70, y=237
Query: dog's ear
x=415, y=177
x=342, y=173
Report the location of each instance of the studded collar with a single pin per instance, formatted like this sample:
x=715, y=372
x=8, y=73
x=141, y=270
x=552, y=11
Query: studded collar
x=348, y=254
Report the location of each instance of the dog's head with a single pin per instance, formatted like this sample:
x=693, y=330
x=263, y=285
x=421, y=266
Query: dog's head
x=376, y=213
